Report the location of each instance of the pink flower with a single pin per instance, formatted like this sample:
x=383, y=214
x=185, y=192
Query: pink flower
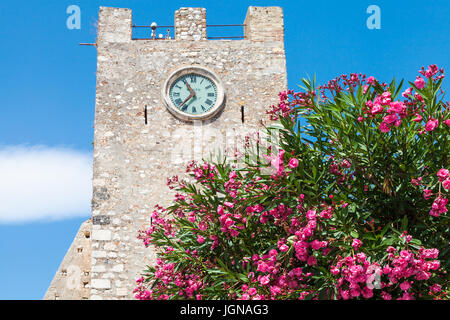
x=406, y=296
x=264, y=280
x=355, y=293
x=407, y=92
x=431, y=124
x=200, y=239
x=275, y=290
x=203, y=226
x=377, y=108
x=334, y=270
x=397, y=106
x=446, y=184
x=435, y=288
x=443, y=174
x=228, y=222
x=417, y=181
x=390, y=118
x=277, y=165
x=228, y=204
x=356, y=243
x=311, y=261
x=386, y=296
x=252, y=291
x=418, y=118
x=316, y=245
x=293, y=163
x=273, y=253
x=431, y=71
x=311, y=214
x=346, y=164
x=405, y=285
x=447, y=122
x=365, y=89
x=384, y=127
x=386, y=95
x=439, y=206
x=419, y=82
x=429, y=253
x=345, y=294
x=367, y=293
x=245, y=296
x=370, y=79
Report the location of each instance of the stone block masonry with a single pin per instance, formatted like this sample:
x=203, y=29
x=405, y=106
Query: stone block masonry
x=190, y=24
x=133, y=158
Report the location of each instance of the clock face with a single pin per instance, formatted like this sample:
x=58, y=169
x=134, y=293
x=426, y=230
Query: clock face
x=193, y=94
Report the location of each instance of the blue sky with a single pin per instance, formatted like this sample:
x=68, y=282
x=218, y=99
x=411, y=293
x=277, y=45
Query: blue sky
x=47, y=92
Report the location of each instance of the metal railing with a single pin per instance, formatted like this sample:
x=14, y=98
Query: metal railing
x=153, y=27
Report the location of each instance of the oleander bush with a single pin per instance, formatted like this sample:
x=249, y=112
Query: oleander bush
x=350, y=203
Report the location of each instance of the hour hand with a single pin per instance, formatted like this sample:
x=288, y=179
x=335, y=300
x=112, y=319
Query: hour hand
x=187, y=99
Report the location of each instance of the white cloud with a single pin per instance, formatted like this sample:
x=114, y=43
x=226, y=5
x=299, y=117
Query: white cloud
x=44, y=183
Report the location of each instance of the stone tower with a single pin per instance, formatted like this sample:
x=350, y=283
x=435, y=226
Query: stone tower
x=139, y=142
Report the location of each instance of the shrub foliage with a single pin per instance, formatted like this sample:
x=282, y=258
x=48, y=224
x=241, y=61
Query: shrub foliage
x=349, y=203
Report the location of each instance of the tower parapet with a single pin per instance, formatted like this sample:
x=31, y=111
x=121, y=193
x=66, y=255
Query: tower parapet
x=114, y=25
x=190, y=24
x=264, y=24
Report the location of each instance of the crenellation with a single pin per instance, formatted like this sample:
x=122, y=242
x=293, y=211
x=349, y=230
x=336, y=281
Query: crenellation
x=264, y=24
x=190, y=24
x=114, y=26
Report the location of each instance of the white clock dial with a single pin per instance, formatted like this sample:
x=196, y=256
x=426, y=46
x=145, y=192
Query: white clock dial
x=193, y=93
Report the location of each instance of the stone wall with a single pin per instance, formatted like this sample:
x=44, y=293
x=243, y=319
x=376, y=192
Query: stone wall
x=264, y=24
x=72, y=280
x=132, y=160
x=190, y=24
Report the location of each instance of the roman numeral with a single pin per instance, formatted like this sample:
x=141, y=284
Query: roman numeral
x=193, y=79
x=176, y=94
x=203, y=108
x=178, y=101
x=177, y=86
x=208, y=102
x=211, y=94
x=207, y=87
x=194, y=110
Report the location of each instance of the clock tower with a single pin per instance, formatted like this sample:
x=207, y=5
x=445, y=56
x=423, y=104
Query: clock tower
x=161, y=102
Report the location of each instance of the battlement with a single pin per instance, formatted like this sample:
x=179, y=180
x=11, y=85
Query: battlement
x=260, y=24
x=190, y=24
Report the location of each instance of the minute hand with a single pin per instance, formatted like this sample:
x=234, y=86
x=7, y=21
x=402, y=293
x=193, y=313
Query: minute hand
x=189, y=88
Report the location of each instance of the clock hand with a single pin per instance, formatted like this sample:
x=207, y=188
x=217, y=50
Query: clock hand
x=189, y=87
x=187, y=99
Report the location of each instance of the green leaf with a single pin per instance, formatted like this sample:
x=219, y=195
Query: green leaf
x=354, y=234
x=404, y=223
